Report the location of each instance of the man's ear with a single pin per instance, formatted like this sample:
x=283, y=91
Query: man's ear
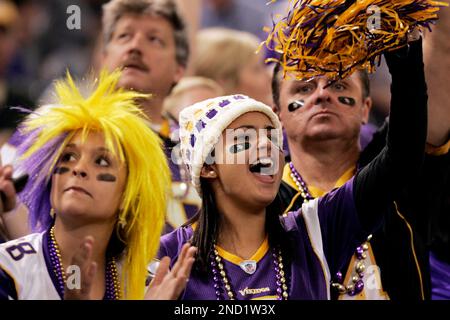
x=367, y=105
x=276, y=110
x=179, y=73
x=103, y=55
x=208, y=172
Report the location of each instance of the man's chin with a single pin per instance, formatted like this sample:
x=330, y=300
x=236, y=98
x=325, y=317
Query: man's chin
x=132, y=85
x=324, y=134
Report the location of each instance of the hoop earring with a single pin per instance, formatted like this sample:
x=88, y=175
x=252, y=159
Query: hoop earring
x=122, y=223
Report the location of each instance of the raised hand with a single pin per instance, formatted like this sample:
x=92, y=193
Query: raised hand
x=414, y=35
x=87, y=268
x=168, y=284
x=8, y=193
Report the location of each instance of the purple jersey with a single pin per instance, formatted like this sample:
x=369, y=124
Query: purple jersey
x=325, y=232
x=27, y=271
x=440, y=278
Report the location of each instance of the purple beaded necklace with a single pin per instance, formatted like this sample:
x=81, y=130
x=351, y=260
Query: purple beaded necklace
x=112, y=284
x=357, y=284
x=220, y=277
x=300, y=183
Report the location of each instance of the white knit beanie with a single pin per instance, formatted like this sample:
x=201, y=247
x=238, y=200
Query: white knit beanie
x=202, y=124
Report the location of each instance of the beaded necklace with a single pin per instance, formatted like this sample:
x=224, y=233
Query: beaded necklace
x=357, y=284
x=220, y=277
x=112, y=291
x=300, y=183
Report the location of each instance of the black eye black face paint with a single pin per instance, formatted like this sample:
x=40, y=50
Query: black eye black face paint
x=347, y=100
x=61, y=170
x=106, y=177
x=297, y=104
x=240, y=147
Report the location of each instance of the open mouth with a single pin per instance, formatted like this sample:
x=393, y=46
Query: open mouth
x=263, y=166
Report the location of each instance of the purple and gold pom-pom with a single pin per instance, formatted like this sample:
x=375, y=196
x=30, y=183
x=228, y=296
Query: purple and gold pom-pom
x=333, y=38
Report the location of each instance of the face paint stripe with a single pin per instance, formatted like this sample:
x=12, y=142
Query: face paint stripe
x=61, y=170
x=297, y=104
x=347, y=101
x=106, y=177
x=240, y=147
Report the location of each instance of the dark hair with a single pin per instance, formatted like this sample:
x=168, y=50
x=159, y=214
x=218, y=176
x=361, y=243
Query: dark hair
x=364, y=77
x=207, y=229
x=276, y=80
x=276, y=86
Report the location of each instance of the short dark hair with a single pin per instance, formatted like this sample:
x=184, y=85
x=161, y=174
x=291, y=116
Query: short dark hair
x=276, y=86
x=364, y=77
x=276, y=80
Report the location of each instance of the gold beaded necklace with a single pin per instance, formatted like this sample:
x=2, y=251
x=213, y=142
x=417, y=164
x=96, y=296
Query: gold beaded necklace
x=220, y=276
x=112, y=283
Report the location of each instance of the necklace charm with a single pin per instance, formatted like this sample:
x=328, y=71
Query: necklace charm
x=249, y=266
x=222, y=282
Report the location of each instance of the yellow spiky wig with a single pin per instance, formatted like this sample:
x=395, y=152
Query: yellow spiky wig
x=114, y=112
